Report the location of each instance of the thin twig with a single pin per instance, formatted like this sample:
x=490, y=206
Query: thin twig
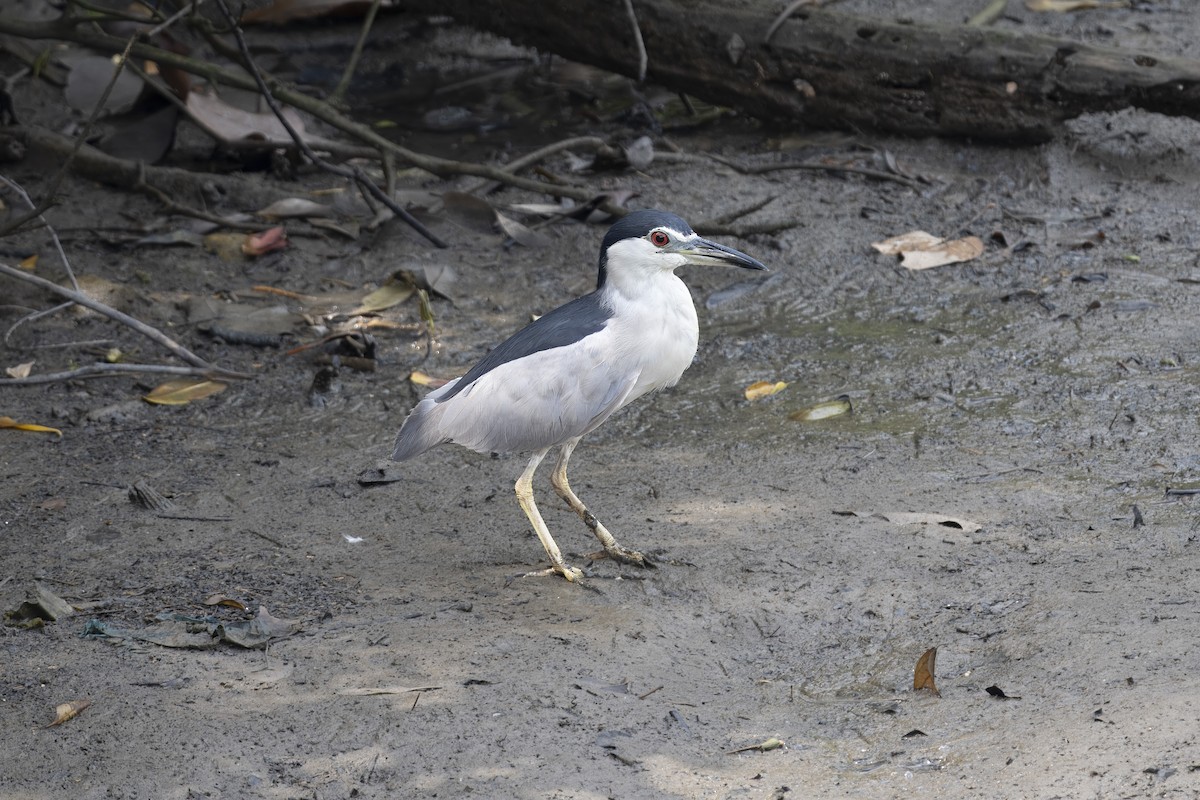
x=761, y=169
x=784, y=15
x=643, y=60
x=187, y=211
x=62, y=254
x=34, y=316
x=353, y=173
x=151, y=333
x=104, y=370
x=339, y=93
x=592, y=143
x=86, y=129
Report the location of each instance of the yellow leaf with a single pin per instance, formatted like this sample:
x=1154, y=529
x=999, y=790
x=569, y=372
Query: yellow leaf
x=394, y=292
x=760, y=389
x=1062, y=6
x=222, y=600
x=421, y=379
x=66, y=711
x=183, y=390
x=29, y=264
x=9, y=422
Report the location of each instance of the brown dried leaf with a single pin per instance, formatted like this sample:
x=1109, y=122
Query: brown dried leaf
x=68, y=711
x=920, y=250
x=923, y=674
x=183, y=390
x=913, y=240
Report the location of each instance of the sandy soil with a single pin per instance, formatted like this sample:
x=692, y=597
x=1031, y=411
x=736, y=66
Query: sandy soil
x=1043, y=391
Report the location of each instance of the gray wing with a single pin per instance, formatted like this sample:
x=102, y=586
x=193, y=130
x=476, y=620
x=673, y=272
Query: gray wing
x=536, y=402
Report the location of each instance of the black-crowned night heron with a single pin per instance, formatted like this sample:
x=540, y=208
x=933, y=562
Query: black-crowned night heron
x=561, y=376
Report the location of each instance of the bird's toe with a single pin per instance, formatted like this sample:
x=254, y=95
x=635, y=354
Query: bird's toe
x=625, y=556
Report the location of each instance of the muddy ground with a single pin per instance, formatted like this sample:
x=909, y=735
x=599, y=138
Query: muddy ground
x=1046, y=391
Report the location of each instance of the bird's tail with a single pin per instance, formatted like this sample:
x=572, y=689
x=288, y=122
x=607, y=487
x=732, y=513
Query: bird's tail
x=420, y=431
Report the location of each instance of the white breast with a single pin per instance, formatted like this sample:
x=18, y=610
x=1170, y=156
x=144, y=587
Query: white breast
x=655, y=328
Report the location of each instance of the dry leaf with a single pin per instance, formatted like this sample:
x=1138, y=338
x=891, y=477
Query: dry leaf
x=29, y=264
x=53, y=504
x=913, y=240
x=762, y=747
x=20, y=370
x=222, y=600
x=67, y=711
x=421, y=379
x=923, y=674
x=183, y=390
x=1063, y=6
x=830, y=408
x=229, y=124
x=395, y=291
x=920, y=250
x=294, y=207
x=89, y=80
x=760, y=389
x=520, y=233
x=9, y=422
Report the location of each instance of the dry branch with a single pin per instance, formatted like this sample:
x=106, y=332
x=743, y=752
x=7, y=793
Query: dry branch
x=830, y=69
x=74, y=30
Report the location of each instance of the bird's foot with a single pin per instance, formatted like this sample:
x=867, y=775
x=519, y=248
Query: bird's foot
x=573, y=574
x=625, y=556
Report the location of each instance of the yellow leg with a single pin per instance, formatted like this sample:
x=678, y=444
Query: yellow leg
x=525, y=498
x=614, y=550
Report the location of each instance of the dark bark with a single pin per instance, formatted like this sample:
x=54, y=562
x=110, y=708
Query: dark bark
x=828, y=69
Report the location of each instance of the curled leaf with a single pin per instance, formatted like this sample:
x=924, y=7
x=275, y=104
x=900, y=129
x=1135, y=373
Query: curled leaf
x=9, y=422
x=68, y=711
x=830, y=408
x=923, y=674
x=760, y=389
x=183, y=390
x=222, y=600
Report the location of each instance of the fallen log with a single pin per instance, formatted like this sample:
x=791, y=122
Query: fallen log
x=828, y=69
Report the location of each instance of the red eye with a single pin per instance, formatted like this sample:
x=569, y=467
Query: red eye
x=659, y=239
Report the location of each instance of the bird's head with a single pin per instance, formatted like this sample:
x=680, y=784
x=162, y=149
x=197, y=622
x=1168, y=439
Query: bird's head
x=646, y=243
